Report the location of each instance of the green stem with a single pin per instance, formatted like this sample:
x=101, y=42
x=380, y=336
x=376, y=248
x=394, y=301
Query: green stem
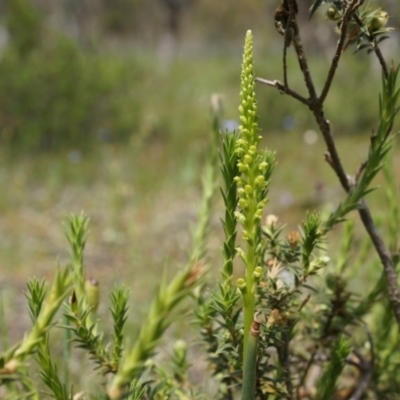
x=250, y=362
x=251, y=257
x=67, y=351
x=249, y=299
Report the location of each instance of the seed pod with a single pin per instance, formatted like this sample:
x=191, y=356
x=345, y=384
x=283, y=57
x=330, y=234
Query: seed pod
x=333, y=14
x=73, y=302
x=379, y=21
x=92, y=293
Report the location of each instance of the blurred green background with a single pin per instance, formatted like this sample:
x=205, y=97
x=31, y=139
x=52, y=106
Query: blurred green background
x=105, y=106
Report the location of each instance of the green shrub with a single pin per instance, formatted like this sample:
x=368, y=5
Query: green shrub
x=55, y=97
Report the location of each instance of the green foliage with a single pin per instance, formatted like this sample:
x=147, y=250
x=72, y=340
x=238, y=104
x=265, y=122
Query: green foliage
x=327, y=383
x=42, y=315
x=49, y=373
x=119, y=300
x=36, y=295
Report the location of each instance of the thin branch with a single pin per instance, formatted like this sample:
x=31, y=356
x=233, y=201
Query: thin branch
x=384, y=256
x=382, y=61
x=333, y=157
x=287, y=41
x=359, y=172
x=285, y=75
x=301, y=58
x=284, y=89
x=314, y=356
x=368, y=369
x=303, y=378
x=316, y=106
x=356, y=4
x=336, y=57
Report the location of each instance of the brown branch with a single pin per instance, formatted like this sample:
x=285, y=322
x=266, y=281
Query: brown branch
x=355, y=4
x=288, y=39
x=283, y=89
x=286, y=44
x=359, y=172
x=367, y=369
x=285, y=74
x=316, y=106
x=334, y=158
x=337, y=55
x=384, y=256
x=301, y=58
x=382, y=61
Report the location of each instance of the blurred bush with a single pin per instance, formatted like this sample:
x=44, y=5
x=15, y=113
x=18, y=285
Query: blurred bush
x=52, y=95
x=25, y=24
x=55, y=94
x=120, y=16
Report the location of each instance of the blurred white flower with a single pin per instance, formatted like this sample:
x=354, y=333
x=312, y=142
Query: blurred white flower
x=271, y=220
x=282, y=276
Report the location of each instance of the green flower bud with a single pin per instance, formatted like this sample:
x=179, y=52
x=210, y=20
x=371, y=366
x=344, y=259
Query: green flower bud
x=248, y=189
x=245, y=132
x=243, y=204
x=239, y=151
x=260, y=180
x=258, y=214
x=257, y=274
x=242, y=167
x=243, y=120
x=241, y=284
x=248, y=159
